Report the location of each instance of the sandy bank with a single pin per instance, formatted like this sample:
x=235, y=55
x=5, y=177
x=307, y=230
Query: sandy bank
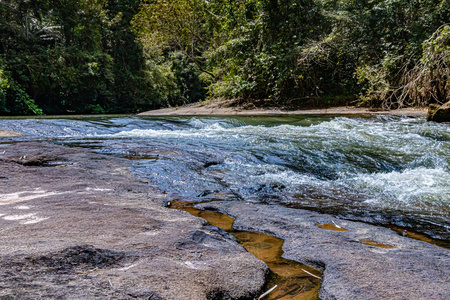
x=7, y=133
x=220, y=108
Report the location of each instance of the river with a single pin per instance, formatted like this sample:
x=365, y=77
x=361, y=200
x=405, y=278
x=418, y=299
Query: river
x=382, y=169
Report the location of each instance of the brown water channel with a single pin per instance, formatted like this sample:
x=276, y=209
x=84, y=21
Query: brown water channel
x=293, y=279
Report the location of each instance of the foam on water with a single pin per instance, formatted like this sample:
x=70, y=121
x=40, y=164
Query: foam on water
x=420, y=188
x=359, y=166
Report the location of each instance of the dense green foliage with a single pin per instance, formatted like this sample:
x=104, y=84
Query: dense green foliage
x=306, y=52
x=67, y=56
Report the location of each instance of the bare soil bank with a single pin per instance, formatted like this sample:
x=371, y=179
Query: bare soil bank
x=227, y=108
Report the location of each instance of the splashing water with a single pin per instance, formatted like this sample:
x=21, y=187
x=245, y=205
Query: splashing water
x=378, y=169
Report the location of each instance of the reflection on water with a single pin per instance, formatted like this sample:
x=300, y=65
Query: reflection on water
x=376, y=244
x=419, y=236
x=384, y=169
x=331, y=226
x=289, y=276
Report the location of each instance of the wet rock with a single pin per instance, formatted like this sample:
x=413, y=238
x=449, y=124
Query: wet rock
x=35, y=161
x=439, y=113
x=83, y=257
x=408, y=269
x=92, y=230
x=211, y=163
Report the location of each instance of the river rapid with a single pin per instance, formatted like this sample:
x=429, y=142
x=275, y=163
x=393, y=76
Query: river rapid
x=378, y=169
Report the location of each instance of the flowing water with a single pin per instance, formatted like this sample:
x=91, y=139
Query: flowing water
x=377, y=169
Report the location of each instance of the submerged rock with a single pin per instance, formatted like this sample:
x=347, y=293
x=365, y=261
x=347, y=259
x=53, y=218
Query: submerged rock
x=439, y=113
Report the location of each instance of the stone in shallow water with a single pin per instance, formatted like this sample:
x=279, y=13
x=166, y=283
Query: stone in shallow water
x=439, y=113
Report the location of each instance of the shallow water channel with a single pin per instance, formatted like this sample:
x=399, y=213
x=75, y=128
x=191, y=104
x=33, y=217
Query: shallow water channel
x=288, y=279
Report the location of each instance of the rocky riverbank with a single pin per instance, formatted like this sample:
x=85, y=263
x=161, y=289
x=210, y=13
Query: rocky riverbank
x=361, y=261
x=77, y=225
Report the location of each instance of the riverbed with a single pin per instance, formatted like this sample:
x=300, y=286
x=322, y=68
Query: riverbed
x=94, y=188
x=381, y=169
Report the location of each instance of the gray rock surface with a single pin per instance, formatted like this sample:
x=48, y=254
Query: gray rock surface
x=412, y=270
x=77, y=225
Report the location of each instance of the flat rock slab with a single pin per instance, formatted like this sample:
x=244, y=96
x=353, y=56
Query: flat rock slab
x=78, y=225
x=8, y=133
x=412, y=269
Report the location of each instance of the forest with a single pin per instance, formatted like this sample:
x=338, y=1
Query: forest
x=111, y=56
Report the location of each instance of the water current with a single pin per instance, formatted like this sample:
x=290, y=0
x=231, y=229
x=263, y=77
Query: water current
x=377, y=169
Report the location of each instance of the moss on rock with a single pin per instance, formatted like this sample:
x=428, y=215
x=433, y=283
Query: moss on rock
x=439, y=113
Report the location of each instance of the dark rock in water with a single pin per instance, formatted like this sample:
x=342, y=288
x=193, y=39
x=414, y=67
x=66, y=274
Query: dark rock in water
x=439, y=113
x=211, y=163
